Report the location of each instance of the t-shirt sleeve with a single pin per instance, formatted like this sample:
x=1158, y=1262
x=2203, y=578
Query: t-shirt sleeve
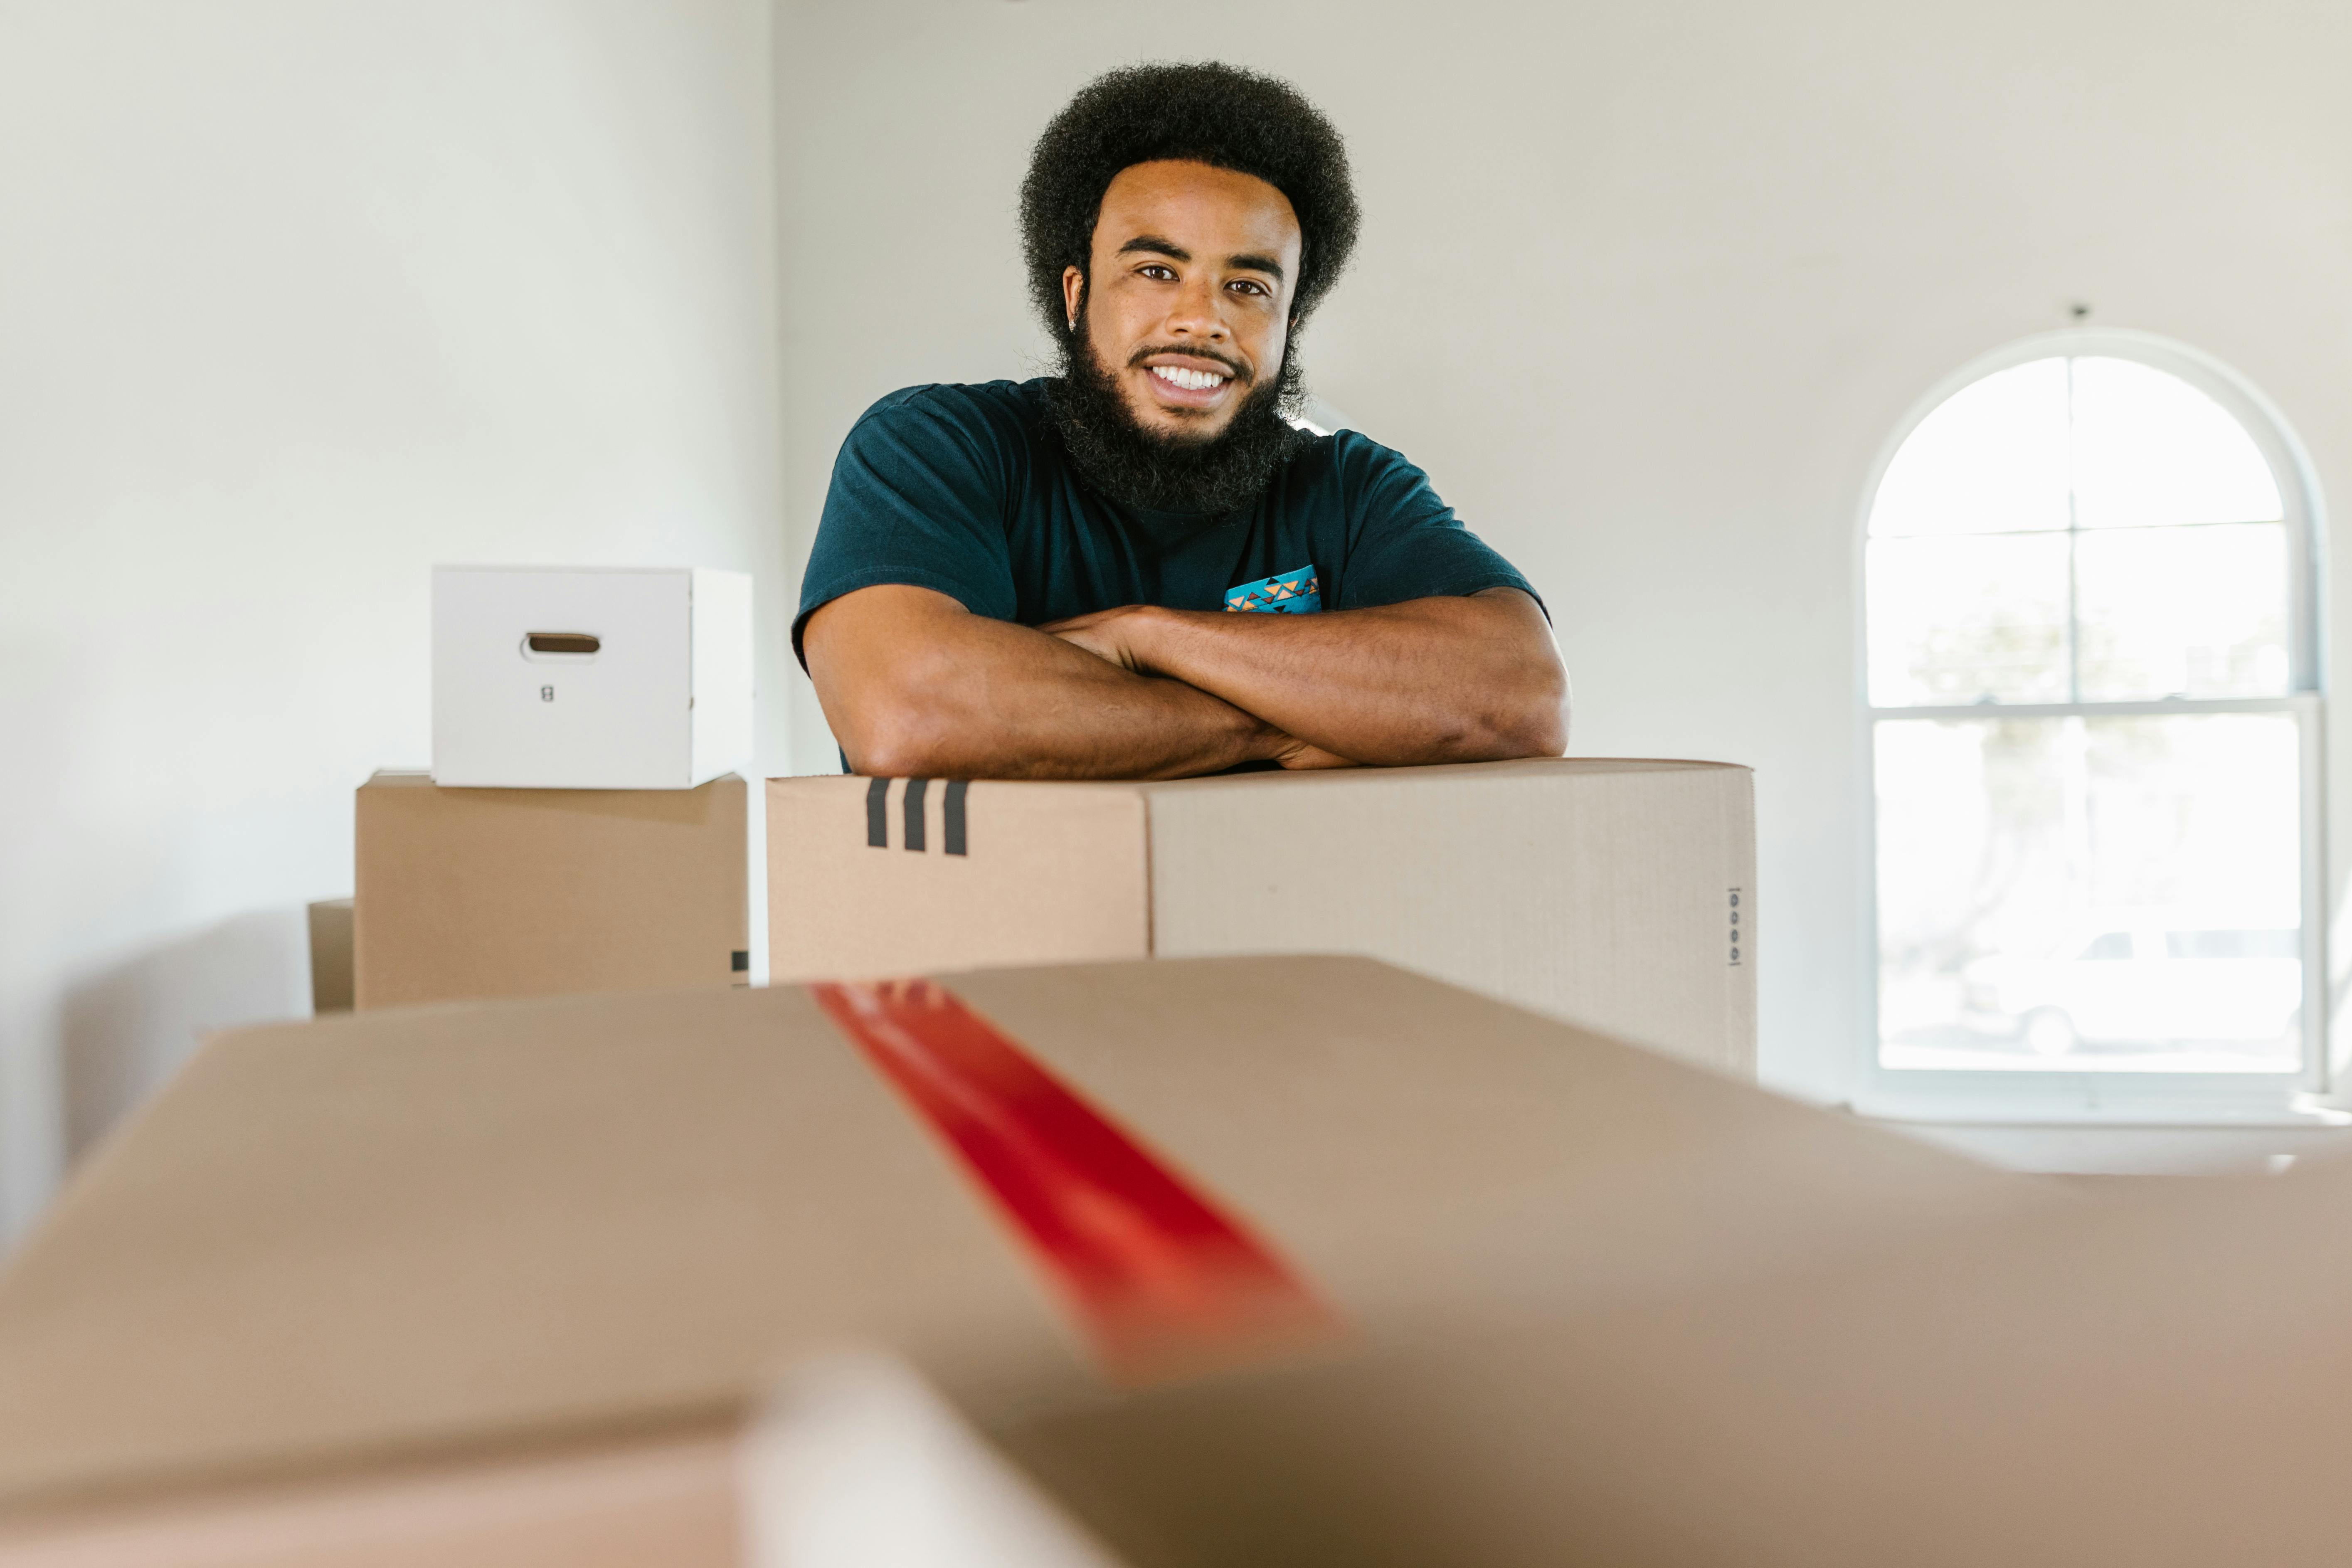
x=918, y=497
x=1407, y=542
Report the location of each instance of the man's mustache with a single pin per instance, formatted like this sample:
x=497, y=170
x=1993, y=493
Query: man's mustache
x=1239, y=373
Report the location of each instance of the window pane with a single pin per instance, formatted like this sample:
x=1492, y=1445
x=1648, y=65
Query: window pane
x=1991, y=459
x=1965, y=620
x=2090, y=894
x=2232, y=944
x=2183, y=612
x=2150, y=449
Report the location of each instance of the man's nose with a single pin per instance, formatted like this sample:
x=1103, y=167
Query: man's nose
x=1194, y=314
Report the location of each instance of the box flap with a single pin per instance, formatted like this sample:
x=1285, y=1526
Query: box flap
x=2158, y=1375
x=445, y=1226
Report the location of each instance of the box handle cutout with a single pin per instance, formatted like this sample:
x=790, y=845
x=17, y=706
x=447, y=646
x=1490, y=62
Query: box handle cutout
x=560, y=645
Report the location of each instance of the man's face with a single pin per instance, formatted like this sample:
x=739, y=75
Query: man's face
x=1192, y=271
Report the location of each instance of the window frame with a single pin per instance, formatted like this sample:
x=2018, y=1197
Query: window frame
x=1991, y=1095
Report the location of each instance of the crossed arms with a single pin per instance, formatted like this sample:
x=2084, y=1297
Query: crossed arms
x=915, y=685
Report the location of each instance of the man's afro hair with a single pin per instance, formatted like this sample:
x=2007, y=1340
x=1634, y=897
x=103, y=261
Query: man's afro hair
x=1209, y=113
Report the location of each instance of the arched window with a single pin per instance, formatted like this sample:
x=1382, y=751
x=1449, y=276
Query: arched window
x=2093, y=709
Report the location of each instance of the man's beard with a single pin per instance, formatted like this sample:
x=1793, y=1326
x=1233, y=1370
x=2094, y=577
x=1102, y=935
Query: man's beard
x=1138, y=466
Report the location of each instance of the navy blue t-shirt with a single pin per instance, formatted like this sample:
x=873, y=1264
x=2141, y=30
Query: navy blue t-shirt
x=965, y=489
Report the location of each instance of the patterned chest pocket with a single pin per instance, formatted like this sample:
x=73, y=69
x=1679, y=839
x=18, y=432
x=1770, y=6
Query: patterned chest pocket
x=1298, y=593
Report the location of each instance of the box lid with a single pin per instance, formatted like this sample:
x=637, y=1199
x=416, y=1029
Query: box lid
x=435, y=1227
x=2154, y=1373
x=1322, y=778
x=1519, y=767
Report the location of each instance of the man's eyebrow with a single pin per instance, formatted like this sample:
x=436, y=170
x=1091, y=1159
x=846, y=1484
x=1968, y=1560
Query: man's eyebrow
x=1158, y=243
x=1266, y=264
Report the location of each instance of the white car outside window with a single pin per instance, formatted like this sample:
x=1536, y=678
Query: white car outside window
x=2147, y=980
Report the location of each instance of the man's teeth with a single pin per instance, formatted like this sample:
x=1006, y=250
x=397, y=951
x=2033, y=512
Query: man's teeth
x=1190, y=380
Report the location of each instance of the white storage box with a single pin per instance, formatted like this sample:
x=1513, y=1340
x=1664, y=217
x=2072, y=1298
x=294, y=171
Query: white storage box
x=589, y=678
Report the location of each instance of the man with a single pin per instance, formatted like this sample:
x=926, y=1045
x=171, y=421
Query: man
x=1040, y=580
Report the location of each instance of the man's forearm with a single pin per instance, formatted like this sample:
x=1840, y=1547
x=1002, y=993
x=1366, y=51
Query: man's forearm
x=1440, y=679
x=1066, y=722
x=958, y=696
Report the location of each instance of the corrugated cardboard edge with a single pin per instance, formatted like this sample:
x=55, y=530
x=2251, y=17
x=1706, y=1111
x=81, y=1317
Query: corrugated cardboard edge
x=1347, y=776
x=180, y=1484
x=460, y=1506
x=1150, y=881
x=850, y=1458
x=1744, y=1051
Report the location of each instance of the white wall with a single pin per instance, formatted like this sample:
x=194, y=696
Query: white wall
x=296, y=299
x=1646, y=288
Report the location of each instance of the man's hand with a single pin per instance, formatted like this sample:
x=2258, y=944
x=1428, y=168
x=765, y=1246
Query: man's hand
x=1297, y=756
x=1102, y=634
x=1439, y=679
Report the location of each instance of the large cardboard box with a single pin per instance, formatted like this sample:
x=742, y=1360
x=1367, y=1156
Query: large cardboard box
x=2158, y=1376
x=534, y=1265
x=466, y=893
x=1615, y=893
x=589, y=678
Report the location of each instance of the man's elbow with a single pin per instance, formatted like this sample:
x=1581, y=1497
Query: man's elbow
x=1542, y=731
x=895, y=735
x=1532, y=721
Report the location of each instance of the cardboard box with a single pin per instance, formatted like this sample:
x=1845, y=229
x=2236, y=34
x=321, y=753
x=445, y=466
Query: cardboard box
x=1613, y=893
x=329, y=922
x=854, y=1462
x=2160, y=1375
x=467, y=893
x=585, y=678
x=465, y=1242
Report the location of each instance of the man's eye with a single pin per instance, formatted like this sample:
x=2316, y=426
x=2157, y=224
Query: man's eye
x=1249, y=286
x=1164, y=274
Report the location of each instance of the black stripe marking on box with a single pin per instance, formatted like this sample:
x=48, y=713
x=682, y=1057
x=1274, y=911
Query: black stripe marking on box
x=951, y=816
x=915, y=790
x=878, y=813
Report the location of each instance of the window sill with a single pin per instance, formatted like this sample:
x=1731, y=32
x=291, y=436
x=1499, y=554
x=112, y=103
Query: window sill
x=2140, y=1147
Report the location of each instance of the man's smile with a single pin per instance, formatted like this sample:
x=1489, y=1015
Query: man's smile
x=1188, y=381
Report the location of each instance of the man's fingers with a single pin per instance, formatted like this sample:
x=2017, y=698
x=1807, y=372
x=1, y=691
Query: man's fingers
x=1072, y=622
x=1303, y=757
x=1078, y=638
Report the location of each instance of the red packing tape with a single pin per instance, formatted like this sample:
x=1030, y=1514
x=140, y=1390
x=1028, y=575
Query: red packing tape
x=1163, y=1281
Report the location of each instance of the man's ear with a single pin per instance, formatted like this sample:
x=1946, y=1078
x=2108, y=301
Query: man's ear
x=1074, y=295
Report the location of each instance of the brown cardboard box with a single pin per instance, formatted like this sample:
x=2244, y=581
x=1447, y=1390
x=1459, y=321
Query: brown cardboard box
x=2160, y=1376
x=466, y=893
x=367, y=1252
x=852, y=1463
x=330, y=955
x=1613, y=893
